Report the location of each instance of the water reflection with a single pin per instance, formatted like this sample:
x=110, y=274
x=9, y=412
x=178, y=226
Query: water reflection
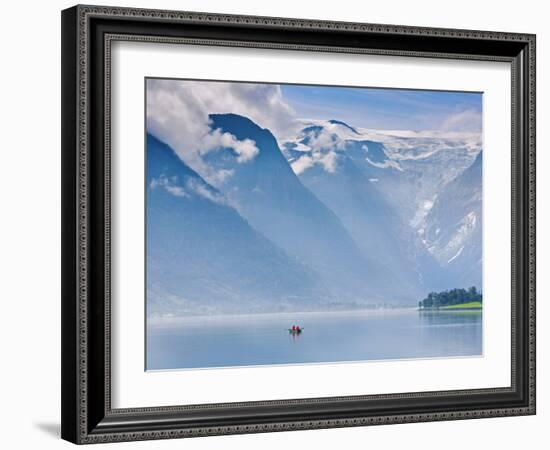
x=327, y=337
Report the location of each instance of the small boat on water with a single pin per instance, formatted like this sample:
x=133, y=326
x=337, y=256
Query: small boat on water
x=295, y=330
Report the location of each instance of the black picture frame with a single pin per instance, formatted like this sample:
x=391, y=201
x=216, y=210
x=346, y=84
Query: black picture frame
x=87, y=32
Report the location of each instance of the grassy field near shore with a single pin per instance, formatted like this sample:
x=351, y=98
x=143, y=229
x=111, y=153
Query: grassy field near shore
x=469, y=305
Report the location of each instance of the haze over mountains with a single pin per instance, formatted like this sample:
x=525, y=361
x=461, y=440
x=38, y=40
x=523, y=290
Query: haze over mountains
x=335, y=217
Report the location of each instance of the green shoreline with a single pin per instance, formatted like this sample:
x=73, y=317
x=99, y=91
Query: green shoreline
x=470, y=306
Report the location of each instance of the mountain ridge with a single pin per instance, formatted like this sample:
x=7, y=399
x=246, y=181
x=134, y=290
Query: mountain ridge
x=331, y=218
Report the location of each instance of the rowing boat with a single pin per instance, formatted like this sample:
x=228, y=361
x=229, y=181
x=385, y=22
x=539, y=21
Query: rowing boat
x=299, y=331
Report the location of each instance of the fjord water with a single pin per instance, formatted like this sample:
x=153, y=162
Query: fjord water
x=231, y=341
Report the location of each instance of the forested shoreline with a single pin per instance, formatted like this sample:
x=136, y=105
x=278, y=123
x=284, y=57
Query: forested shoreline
x=469, y=298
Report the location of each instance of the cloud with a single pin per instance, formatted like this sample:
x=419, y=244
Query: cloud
x=322, y=146
x=173, y=186
x=178, y=110
x=205, y=192
x=246, y=149
x=170, y=184
x=329, y=161
x=464, y=121
x=325, y=141
x=302, y=164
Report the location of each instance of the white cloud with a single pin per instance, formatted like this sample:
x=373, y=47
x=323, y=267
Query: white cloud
x=178, y=110
x=192, y=186
x=246, y=149
x=324, y=141
x=202, y=190
x=170, y=184
x=322, y=147
x=302, y=164
x=464, y=121
x=329, y=161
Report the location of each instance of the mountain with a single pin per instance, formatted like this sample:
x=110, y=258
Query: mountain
x=452, y=229
x=337, y=218
x=269, y=195
x=409, y=168
x=349, y=186
x=432, y=170
x=203, y=257
x=434, y=181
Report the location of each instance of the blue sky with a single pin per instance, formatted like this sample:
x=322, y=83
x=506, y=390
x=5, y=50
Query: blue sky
x=388, y=108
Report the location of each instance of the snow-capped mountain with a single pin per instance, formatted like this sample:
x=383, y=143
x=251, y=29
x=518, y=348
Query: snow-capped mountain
x=409, y=168
x=336, y=217
x=407, y=171
x=452, y=229
x=269, y=195
x=344, y=176
x=203, y=257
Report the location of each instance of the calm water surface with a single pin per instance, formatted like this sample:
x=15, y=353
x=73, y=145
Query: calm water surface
x=202, y=342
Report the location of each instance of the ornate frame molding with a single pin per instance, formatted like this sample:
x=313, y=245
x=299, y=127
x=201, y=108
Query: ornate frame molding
x=80, y=424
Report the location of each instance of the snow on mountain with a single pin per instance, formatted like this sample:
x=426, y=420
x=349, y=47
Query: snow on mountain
x=348, y=188
x=269, y=195
x=336, y=217
x=428, y=159
x=408, y=169
x=452, y=230
x=398, y=142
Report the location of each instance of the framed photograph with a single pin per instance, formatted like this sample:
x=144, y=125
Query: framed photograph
x=278, y=224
